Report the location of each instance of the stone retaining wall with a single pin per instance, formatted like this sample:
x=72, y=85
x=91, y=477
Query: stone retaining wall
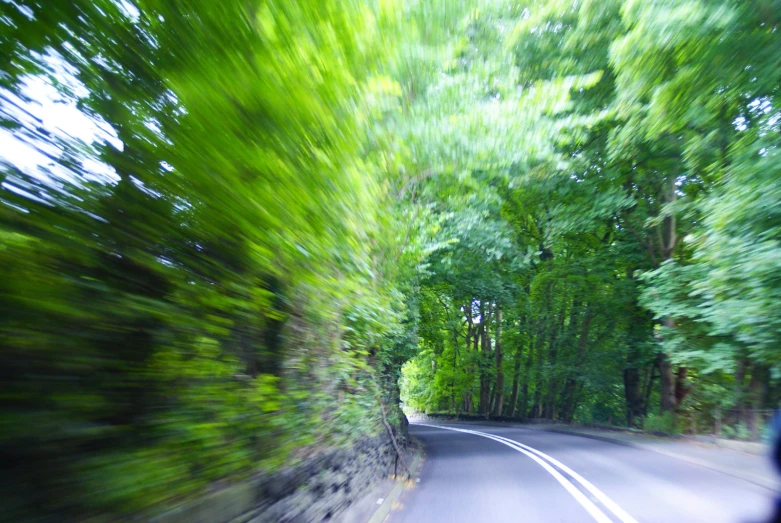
x=316, y=490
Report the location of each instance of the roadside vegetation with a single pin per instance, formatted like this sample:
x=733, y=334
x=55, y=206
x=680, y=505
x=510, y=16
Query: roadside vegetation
x=624, y=270
x=234, y=233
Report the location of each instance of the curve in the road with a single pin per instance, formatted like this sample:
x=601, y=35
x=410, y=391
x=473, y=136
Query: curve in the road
x=550, y=464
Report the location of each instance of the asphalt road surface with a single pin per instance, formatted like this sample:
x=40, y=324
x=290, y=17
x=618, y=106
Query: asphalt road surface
x=499, y=474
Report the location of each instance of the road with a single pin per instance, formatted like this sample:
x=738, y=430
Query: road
x=550, y=477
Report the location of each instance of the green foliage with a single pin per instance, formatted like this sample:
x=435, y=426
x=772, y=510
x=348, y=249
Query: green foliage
x=646, y=214
x=736, y=431
x=282, y=213
x=208, y=283
x=663, y=422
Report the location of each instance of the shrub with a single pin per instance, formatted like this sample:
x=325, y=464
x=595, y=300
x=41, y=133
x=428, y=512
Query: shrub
x=664, y=423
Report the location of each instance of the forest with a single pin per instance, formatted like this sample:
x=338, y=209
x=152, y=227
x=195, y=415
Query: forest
x=236, y=232
x=608, y=236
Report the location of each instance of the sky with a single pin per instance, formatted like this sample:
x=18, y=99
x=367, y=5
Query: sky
x=46, y=110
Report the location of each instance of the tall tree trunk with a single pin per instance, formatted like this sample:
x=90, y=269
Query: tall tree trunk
x=471, y=339
x=757, y=389
x=553, y=385
x=472, y=369
x=571, y=389
x=516, y=373
x=568, y=399
x=632, y=394
x=455, y=366
x=499, y=389
x=480, y=338
x=740, y=377
x=485, y=349
x=536, y=406
x=681, y=389
x=570, y=338
x=649, y=385
x=640, y=326
x=667, y=375
x=527, y=369
x=673, y=383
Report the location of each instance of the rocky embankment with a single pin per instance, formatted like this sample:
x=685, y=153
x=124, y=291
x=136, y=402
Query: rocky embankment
x=317, y=489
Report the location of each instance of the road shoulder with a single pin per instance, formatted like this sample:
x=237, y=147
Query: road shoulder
x=751, y=467
x=375, y=506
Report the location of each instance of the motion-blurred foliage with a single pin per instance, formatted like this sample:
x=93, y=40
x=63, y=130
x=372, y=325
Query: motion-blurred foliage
x=195, y=288
x=225, y=226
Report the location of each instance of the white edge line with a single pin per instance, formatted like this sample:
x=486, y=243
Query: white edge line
x=578, y=495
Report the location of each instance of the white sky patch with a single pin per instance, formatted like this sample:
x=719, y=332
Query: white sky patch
x=25, y=10
x=130, y=10
x=48, y=115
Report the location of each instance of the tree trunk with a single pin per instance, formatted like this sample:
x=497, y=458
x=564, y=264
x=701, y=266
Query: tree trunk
x=499, y=388
x=681, y=389
x=757, y=388
x=550, y=399
x=571, y=389
x=485, y=349
x=455, y=366
x=527, y=370
x=536, y=405
x=649, y=386
x=740, y=378
x=516, y=375
x=673, y=384
x=536, y=397
x=468, y=402
x=568, y=398
x=632, y=393
x=480, y=338
x=668, y=384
